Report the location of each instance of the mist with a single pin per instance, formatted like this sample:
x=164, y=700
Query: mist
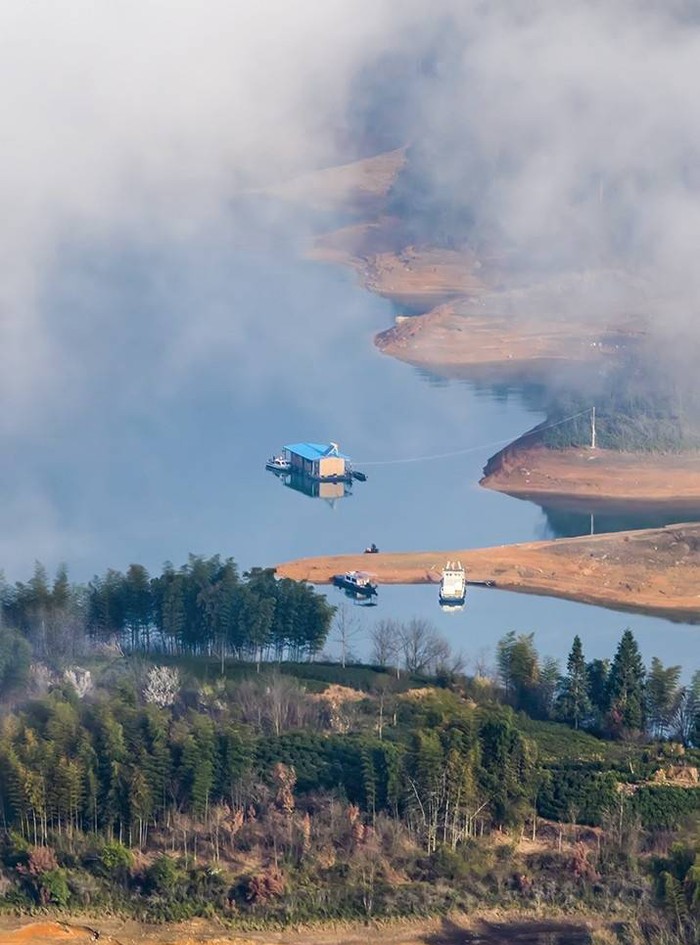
x=568, y=138
x=137, y=301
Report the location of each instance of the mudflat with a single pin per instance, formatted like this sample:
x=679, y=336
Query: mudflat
x=653, y=571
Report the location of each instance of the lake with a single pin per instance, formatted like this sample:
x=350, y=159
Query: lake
x=190, y=367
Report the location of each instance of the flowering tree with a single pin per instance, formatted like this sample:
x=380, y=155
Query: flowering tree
x=163, y=686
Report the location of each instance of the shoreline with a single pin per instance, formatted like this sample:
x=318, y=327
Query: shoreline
x=473, y=323
x=650, y=571
x=488, y=927
x=600, y=477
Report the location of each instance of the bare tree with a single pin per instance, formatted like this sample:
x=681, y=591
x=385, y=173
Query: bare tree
x=385, y=636
x=285, y=703
x=346, y=630
x=423, y=649
x=382, y=687
x=275, y=703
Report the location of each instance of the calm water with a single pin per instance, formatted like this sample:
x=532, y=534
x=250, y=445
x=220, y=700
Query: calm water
x=196, y=366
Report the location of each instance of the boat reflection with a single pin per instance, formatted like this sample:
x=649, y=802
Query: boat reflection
x=314, y=488
x=451, y=608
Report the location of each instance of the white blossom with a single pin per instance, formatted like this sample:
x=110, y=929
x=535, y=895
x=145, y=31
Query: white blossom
x=162, y=687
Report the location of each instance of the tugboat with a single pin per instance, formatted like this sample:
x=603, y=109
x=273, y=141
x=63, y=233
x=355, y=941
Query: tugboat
x=356, y=583
x=278, y=464
x=453, y=586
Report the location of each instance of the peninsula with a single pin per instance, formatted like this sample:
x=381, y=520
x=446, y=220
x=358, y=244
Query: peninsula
x=652, y=571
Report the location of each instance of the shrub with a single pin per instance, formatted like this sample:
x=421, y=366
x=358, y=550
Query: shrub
x=162, y=876
x=54, y=888
x=116, y=858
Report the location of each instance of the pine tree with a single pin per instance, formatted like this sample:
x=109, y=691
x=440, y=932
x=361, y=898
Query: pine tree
x=574, y=703
x=597, y=673
x=626, y=687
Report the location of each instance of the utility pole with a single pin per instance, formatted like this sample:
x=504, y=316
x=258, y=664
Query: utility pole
x=593, y=435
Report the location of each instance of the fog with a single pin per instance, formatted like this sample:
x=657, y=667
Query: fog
x=135, y=138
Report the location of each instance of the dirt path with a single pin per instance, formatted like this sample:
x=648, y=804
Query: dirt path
x=493, y=928
x=652, y=571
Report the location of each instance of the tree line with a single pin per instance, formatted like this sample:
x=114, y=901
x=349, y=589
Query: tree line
x=619, y=698
x=204, y=606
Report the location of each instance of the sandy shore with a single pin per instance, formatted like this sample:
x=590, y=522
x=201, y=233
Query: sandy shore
x=359, y=186
x=494, y=928
x=417, y=277
x=465, y=335
x=653, y=571
x=600, y=476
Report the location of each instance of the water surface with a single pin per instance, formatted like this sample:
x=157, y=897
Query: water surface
x=192, y=366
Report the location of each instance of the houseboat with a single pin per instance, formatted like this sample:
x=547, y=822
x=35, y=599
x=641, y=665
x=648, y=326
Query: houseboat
x=319, y=462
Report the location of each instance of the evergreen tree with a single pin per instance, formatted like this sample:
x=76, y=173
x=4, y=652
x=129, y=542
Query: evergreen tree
x=574, y=703
x=626, y=687
x=15, y=659
x=548, y=683
x=597, y=673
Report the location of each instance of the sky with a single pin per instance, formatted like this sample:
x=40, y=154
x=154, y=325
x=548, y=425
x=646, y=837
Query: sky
x=568, y=133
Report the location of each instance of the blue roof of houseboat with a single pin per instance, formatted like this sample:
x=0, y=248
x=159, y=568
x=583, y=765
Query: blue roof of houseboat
x=314, y=451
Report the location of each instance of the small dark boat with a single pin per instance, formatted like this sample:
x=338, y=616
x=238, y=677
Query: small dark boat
x=372, y=549
x=358, y=583
x=360, y=476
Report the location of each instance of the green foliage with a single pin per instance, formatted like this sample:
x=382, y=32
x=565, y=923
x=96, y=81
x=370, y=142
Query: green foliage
x=665, y=806
x=574, y=703
x=557, y=742
x=202, y=607
x=15, y=657
x=55, y=888
x=664, y=696
x=115, y=857
x=626, y=697
x=678, y=888
x=640, y=408
x=162, y=876
x=518, y=666
x=577, y=793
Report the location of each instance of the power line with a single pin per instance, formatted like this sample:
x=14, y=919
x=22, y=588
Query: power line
x=468, y=449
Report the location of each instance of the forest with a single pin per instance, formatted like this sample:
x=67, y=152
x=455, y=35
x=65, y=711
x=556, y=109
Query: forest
x=166, y=751
x=643, y=404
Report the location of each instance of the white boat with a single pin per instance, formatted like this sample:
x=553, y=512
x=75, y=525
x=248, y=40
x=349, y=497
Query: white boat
x=278, y=463
x=453, y=586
